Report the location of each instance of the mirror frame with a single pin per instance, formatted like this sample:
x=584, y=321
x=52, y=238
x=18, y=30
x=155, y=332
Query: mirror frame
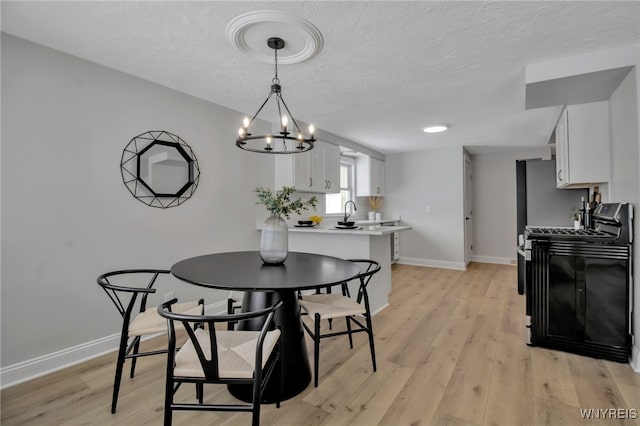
x=142, y=190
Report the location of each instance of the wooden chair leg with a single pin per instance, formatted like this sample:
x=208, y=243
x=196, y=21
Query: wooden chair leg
x=255, y=420
x=200, y=392
x=348, y=319
x=136, y=348
x=371, y=343
x=119, y=367
x=168, y=400
x=280, y=381
x=316, y=349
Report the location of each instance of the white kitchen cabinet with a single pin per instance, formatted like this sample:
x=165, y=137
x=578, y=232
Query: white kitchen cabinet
x=395, y=247
x=369, y=177
x=582, y=145
x=331, y=168
x=312, y=171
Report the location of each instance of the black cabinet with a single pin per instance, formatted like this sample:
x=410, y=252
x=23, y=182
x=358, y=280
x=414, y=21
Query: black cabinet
x=580, y=298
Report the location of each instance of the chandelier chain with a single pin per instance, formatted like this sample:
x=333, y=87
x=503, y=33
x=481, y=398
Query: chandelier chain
x=275, y=79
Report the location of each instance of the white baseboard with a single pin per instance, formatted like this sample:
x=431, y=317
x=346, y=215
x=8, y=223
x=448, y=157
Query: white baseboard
x=432, y=263
x=380, y=309
x=46, y=364
x=36, y=367
x=635, y=358
x=492, y=259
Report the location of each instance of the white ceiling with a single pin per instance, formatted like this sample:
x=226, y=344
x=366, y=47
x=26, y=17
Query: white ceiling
x=386, y=70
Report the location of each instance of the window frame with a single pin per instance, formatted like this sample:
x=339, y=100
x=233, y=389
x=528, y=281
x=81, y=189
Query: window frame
x=351, y=162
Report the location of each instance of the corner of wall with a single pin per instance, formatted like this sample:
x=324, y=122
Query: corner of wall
x=635, y=358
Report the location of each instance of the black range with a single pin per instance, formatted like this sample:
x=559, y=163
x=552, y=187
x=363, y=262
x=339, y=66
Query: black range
x=579, y=285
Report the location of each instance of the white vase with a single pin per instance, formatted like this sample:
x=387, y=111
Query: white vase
x=274, y=241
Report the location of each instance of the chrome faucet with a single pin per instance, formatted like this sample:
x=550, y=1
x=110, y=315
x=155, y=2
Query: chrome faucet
x=346, y=216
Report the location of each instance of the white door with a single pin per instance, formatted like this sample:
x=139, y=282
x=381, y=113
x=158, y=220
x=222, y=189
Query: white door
x=468, y=210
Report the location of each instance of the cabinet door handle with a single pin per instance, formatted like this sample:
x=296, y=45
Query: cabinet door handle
x=328, y=184
x=559, y=173
x=310, y=182
x=377, y=190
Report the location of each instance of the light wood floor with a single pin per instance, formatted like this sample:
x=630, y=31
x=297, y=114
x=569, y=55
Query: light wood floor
x=450, y=352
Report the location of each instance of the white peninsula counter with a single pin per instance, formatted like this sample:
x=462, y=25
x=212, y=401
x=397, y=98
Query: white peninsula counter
x=368, y=242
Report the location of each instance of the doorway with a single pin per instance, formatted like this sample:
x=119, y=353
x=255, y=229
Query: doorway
x=468, y=210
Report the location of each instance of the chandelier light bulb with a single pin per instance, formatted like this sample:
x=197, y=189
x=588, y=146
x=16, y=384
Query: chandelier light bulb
x=311, y=129
x=241, y=131
x=285, y=121
x=245, y=122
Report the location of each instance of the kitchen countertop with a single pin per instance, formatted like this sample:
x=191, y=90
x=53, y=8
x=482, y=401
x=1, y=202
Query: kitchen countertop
x=376, y=222
x=363, y=230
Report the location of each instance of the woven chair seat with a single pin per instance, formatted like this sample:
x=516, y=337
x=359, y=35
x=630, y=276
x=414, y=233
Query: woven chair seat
x=236, y=353
x=330, y=306
x=149, y=322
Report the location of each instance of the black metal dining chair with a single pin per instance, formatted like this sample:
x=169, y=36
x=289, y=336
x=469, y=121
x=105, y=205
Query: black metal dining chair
x=330, y=306
x=234, y=304
x=128, y=290
x=220, y=356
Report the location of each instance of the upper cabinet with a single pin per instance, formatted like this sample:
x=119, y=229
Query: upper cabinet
x=582, y=145
x=317, y=170
x=331, y=168
x=369, y=177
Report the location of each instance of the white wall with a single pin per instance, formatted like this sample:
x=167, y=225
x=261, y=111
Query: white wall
x=494, y=203
x=635, y=360
x=624, y=185
x=431, y=178
x=625, y=179
x=66, y=214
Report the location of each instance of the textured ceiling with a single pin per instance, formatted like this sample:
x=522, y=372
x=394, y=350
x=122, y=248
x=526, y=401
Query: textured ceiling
x=386, y=70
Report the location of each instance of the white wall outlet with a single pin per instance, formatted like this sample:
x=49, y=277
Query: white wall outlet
x=428, y=210
x=168, y=296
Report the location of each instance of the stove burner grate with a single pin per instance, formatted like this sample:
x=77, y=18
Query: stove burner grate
x=568, y=233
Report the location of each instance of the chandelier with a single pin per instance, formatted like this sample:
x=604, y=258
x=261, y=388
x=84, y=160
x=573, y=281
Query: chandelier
x=290, y=139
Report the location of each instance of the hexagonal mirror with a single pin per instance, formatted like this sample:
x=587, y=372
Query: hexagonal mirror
x=159, y=169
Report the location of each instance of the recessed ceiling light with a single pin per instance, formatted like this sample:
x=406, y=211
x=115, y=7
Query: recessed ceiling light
x=435, y=129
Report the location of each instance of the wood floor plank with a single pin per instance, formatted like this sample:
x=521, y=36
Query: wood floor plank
x=596, y=388
x=553, y=377
x=369, y=403
x=333, y=390
x=450, y=349
x=510, y=392
x=417, y=402
x=469, y=383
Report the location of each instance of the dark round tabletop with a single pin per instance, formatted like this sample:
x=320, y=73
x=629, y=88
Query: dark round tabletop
x=244, y=270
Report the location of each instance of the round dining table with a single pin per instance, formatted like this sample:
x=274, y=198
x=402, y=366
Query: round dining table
x=264, y=285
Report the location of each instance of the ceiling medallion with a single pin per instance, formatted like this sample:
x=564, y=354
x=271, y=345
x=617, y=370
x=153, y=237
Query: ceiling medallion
x=260, y=22
x=276, y=143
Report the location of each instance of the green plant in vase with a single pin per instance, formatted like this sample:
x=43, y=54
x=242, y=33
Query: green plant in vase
x=281, y=204
x=274, y=241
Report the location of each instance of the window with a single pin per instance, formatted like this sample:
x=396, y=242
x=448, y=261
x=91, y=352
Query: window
x=334, y=203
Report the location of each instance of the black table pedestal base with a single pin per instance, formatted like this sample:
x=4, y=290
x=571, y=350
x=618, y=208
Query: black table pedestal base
x=296, y=371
